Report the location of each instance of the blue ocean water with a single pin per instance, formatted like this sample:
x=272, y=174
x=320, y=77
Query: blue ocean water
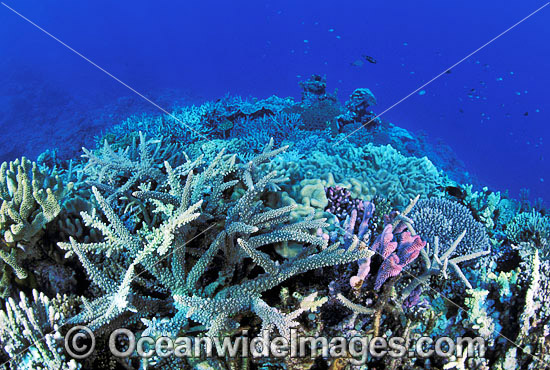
x=492, y=109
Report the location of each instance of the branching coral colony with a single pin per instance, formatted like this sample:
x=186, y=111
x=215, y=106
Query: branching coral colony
x=29, y=200
x=168, y=235
x=213, y=228
x=193, y=208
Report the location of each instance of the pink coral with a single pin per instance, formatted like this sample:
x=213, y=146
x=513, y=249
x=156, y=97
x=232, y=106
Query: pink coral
x=389, y=268
x=409, y=247
x=408, y=250
x=364, y=269
x=383, y=244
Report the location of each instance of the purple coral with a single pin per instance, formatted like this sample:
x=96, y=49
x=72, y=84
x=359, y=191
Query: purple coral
x=409, y=247
x=414, y=298
x=355, y=212
x=368, y=212
x=396, y=255
x=341, y=203
x=389, y=268
x=407, y=251
x=364, y=268
x=383, y=244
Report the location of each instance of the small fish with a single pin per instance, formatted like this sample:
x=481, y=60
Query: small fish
x=448, y=71
x=461, y=110
x=455, y=191
x=526, y=113
x=369, y=59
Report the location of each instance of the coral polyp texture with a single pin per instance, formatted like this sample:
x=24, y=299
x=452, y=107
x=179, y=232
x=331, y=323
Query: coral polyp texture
x=240, y=219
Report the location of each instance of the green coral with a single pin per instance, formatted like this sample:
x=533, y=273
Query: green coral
x=30, y=199
x=478, y=317
x=492, y=208
x=366, y=171
x=505, y=281
x=530, y=227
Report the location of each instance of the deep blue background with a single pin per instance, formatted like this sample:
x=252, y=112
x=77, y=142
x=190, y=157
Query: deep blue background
x=493, y=109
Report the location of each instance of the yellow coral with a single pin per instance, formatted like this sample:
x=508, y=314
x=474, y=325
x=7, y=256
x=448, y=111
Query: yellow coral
x=30, y=199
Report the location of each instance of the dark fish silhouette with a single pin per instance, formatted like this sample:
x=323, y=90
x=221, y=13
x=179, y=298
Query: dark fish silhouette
x=448, y=71
x=369, y=59
x=455, y=191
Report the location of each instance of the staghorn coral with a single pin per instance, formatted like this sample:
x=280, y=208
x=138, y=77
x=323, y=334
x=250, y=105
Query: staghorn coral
x=30, y=332
x=118, y=171
x=180, y=250
x=281, y=126
x=183, y=124
x=207, y=215
x=439, y=262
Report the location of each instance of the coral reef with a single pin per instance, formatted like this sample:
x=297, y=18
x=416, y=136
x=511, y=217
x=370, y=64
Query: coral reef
x=530, y=227
x=188, y=224
x=30, y=334
x=235, y=224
